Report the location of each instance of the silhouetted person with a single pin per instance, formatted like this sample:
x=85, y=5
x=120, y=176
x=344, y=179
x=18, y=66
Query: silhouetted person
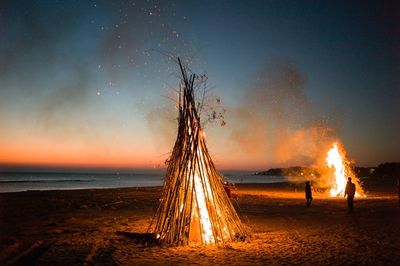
x=350, y=192
x=308, y=194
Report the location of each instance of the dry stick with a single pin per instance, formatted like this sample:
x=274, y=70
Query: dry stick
x=166, y=193
x=190, y=210
x=188, y=179
x=211, y=211
x=206, y=192
x=190, y=173
x=170, y=209
x=176, y=183
x=220, y=196
x=192, y=193
x=192, y=112
x=182, y=210
x=179, y=185
x=177, y=215
x=215, y=184
x=168, y=202
x=232, y=213
x=193, y=165
x=180, y=146
x=197, y=165
x=159, y=209
x=212, y=173
x=182, y=220
x=216, y=221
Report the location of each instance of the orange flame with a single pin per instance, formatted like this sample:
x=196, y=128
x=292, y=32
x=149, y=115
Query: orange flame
x=337, y=159
x=205, y=222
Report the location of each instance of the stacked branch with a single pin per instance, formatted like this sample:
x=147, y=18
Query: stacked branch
x=194, y=207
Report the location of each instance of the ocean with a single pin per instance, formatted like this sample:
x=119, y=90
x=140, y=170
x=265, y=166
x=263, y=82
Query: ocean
x=24, y=181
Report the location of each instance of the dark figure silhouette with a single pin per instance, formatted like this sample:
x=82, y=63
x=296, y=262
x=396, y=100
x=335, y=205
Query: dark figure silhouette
x=308, y=194
x=350, y=192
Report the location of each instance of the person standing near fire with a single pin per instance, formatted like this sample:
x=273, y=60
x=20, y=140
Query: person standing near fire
x=350, y=191
x=308, y=194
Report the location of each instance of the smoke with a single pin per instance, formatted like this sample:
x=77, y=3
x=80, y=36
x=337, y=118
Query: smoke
x=277, y=119
x=162, y=121
x=59, y=112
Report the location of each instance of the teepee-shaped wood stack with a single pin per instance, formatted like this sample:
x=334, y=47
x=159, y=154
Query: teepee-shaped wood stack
x=194, y=208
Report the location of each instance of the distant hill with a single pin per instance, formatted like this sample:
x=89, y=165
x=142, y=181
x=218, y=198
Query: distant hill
x=294, y=171
x=387, y=170
x=364, y=171
x=384, y=171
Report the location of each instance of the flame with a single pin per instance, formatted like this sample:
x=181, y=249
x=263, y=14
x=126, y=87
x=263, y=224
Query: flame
x=205, y=223
x=336, y=159
x=200, y=208
x=204, y=198
x=204, y=193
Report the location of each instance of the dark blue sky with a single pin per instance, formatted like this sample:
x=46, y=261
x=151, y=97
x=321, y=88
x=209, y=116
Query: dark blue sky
x=88, y=72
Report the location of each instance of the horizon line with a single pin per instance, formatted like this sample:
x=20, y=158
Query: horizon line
x=6, y=167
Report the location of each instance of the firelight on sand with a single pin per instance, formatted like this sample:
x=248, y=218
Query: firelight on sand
x=336, y=159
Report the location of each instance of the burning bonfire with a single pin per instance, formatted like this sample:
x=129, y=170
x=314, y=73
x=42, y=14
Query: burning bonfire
x=194, y=207
x=336, y=158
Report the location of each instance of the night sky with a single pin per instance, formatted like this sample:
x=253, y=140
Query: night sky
x=82, y=82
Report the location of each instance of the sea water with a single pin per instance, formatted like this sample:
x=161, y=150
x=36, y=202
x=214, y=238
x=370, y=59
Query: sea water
x=24, y=181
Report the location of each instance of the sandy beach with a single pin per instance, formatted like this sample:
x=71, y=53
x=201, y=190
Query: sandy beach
x=101, y=227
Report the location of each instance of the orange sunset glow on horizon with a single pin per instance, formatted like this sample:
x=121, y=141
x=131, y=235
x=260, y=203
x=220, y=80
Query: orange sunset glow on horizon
x=95, y=88
x=102, y=157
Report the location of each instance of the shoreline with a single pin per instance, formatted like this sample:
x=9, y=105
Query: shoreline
x=239, y=188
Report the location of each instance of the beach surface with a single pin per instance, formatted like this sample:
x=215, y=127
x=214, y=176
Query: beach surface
x=105, y=226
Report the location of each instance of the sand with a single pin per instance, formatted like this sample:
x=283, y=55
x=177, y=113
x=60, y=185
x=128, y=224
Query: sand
x=100, y=227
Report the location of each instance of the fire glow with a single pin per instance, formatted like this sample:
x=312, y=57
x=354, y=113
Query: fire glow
x=336, y=158
x=203, y=215
x=194, y=207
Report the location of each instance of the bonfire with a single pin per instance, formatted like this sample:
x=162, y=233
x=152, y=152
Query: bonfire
x=336, y=158
x=194, y=207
